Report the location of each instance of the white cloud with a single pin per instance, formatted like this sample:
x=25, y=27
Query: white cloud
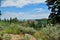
x=19, y=3
x=21, y=15
x=41, y=10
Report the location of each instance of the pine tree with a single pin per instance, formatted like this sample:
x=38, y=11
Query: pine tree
x=54, y=6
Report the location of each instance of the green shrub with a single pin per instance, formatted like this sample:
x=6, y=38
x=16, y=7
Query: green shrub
x=40, y=36
x=0, y=37
x=7, y=37
x=12, y=30
x=16, y=29
x=52, y=31
x=27, y=29
x=27, y=37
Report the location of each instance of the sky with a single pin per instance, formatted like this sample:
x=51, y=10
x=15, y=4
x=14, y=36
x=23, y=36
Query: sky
x=24, y=9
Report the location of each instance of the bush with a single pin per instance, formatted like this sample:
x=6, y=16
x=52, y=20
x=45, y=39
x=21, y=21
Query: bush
x=7, y=37
x=40, y=36
x=27, y=37
x=27, y=30
x=52, y=31
x=16, y=29
x=0, y=37
x=12, y=30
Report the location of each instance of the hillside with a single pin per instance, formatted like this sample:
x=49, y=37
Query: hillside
x=28, y=30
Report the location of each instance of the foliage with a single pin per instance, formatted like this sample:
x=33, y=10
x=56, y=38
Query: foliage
x=40, y=36
x=54, y=6
x=7, y=37
x=16, y=29
x=44, y=33
x=27, y=37
x=52, y=32
x=1, y=37
x=0, y=12
x=41, y=22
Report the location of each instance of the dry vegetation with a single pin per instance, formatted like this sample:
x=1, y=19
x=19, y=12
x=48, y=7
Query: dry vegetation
x=21, y=31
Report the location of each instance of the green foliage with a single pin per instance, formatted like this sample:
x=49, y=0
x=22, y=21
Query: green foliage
x=41, y=22
x=27, y=37
x=36, y=24
x=16, y=29
x=40, y=36
x=0, y=12
x=58, y=2
x=52, y=31
x=54, y=6
x=30, y=27
x=7, y=37
x=27, y=30
x=0, y=37
x=13, y=29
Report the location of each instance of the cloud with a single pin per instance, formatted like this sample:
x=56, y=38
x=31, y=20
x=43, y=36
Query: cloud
x=41, y=10
x=20, y=3
x=22, y=15
x=7, y=15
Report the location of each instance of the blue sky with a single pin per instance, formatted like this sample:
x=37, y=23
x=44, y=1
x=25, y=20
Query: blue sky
x=24, y=9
